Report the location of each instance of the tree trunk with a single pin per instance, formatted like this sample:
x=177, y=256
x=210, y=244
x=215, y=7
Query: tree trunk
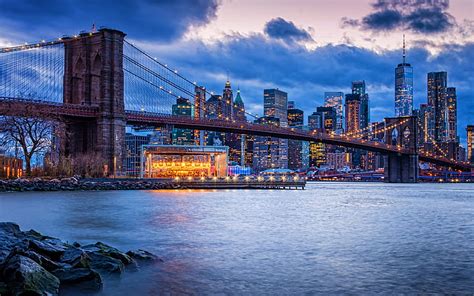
x=28, y=166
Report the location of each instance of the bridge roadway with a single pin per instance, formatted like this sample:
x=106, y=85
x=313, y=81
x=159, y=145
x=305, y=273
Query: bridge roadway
x=13, y=106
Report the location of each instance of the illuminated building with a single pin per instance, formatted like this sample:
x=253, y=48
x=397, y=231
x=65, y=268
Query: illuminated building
x=199, y=112
x=214, y=111
x=295, y=147
x=314, y=121
x=275, y=105
x=358, y=88
x=236, y=142
x=227, y=101
x=268, y=152
x=10, y=167
x=164, y=161
x=335, y=100
x=338, y=160
x=470, y=143
x=317, y=154
x=352, y=113
x=133, y=145
x=451, y=102
x=180, y=136
x=403, y=87
x=437, y=92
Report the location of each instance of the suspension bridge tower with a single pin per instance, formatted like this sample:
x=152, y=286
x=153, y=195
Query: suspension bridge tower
x=93, y=75
x=402, y=168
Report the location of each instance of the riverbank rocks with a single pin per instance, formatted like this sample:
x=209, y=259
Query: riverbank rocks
x=75, y=183
x=34, y=264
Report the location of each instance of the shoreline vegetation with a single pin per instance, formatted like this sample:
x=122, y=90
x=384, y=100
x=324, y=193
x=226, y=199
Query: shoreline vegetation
x=35, y=264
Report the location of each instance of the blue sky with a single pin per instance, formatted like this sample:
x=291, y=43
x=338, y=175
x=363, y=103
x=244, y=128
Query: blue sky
x=302, y=47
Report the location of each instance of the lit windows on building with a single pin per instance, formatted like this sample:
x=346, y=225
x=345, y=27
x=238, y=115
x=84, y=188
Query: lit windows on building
x=451, y=102
x=353, y=105
x=335, y=100
x=164, y=161
x=470, y=143
x=180, y=136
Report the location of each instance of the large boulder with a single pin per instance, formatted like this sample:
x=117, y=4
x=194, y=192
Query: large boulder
x=85, y=277
x=52, y=248
x=105, y=263
x=23, y=276
x=10, y=237
x=76, y=257
x=143, y=255
x=107, y=250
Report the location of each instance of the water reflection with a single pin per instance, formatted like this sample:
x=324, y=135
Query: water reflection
x=331, y=238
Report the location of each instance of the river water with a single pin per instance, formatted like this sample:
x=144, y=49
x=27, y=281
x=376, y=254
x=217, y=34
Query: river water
x=331, y=238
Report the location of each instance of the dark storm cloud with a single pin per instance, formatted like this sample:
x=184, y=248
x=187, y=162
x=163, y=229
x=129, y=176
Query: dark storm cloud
x=420, y=16
x=154, y=19
x=280, y=28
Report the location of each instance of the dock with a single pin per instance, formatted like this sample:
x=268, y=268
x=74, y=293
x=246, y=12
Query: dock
x=229, y=183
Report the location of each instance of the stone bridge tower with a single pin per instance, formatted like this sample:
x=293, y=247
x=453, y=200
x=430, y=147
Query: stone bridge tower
x=402, y=168
x=93, y=75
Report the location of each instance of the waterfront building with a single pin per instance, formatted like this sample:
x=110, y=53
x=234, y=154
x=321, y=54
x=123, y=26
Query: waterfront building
x=181, y=136
x=268, y=152
x=403, y=87
x=358, y=88
x=165, y=161
x=199, y=112
x=437, y=94
x=338, y=160
x=335, y=100
x=451, y=101
x=10, y=167
x=295, y=147
x=470, y=143
x=133, y=146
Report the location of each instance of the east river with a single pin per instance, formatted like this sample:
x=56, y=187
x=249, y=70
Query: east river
x=332, y=238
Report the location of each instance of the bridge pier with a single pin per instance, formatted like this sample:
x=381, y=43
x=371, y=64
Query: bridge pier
x=401, y=168
x=93, y=75
x=398, y=167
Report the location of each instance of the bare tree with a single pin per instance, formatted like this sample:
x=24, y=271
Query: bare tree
x=31, y=134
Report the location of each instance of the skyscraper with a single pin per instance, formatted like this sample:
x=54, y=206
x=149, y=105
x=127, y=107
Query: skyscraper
x=295, y=147
x=470, y=143
x=236, y=142
x=353, y=113
x=275, y=104
x=358, y=88
x=180, y=136
x=239, y=108
x=437, y=93
x=335, y=100
x=451, y=101
x=199, y=111
x=403, y=87
x=268, y=152
x=228, y=101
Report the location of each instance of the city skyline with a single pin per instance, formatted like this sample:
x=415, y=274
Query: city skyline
x=285, y=51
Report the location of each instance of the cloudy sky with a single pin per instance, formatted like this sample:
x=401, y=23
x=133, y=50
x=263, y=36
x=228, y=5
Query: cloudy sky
x=303, y=47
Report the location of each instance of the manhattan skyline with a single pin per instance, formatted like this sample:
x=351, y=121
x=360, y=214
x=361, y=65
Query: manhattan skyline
x=283, y=47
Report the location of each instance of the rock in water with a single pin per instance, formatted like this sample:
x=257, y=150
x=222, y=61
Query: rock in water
x=103, y=262
x=76, y=257
x=24, y=276
x=54, y=249
x=88, y=278
x=143, y=255
x=10, y=236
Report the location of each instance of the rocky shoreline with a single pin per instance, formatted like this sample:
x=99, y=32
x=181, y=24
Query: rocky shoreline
x=34, y=264
x=75, y=183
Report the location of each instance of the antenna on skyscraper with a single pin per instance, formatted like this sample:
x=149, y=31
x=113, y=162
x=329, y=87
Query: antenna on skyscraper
x=404, y=52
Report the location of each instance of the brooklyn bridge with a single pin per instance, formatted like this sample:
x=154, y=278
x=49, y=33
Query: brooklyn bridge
x=99, y=83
